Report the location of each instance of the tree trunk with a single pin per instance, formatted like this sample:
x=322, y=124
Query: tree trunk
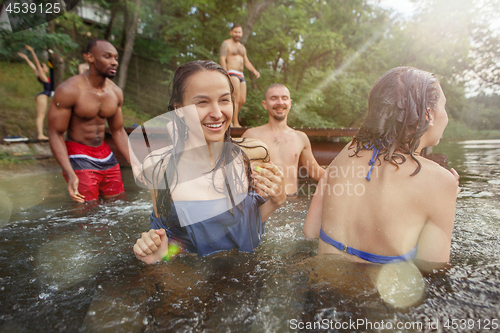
x=107, y=33
x=159, y=12
x=129, y=46
x=126, y=23
x=58, y=63
x=255, y=13
x=56, y=60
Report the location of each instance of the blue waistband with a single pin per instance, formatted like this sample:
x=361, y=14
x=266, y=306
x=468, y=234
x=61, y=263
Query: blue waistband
x=365, y=255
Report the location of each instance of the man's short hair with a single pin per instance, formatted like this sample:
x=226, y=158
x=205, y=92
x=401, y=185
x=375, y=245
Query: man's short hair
x=236, y=25
x=93, y=43
x=274, y=85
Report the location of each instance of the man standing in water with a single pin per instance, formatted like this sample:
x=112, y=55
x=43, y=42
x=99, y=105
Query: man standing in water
x=81, y=105
x=233, y=57
x=286, y=145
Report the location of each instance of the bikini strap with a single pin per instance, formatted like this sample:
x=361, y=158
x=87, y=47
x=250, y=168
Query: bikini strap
x=375, y=154
x=375, y=258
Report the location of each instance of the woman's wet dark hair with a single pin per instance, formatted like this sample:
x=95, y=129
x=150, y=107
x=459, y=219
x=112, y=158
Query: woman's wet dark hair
x=181, y=133
x=397, y=114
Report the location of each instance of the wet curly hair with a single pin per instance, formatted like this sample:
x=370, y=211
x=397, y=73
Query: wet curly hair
x=398, y=114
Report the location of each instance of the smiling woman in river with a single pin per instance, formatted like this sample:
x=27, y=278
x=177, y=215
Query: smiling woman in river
x=206, y=197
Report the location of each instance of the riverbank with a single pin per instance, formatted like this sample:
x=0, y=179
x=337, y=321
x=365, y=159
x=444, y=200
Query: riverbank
x=25, y=158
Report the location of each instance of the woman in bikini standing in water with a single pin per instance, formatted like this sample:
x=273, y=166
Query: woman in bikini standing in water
x=379, y=200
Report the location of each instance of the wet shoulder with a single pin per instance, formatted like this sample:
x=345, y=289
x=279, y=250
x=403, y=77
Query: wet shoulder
x=67, y=92
x=344, y=156
x=441, y=179
x=302, y=137
x=71, y=85
x=254, y=132
x=116, y=89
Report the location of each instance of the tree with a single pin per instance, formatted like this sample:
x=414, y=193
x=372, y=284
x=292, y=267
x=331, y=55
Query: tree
x=485, y=47
x=255, y=11
x=129, y=45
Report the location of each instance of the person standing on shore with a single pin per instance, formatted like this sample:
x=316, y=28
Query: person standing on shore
x=84, y=66
x=41, y=70
x=233, y=58
x=81, y=106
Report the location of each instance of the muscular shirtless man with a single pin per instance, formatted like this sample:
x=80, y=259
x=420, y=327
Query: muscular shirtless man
x=286, y=145
x=81, y=105
x=233, y=57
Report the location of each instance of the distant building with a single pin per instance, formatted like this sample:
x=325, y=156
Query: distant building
x=4, y=19
x=92, y=13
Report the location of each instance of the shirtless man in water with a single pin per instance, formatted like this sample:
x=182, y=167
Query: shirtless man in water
x=233, y=57
x=286, y=146
x=81, y=105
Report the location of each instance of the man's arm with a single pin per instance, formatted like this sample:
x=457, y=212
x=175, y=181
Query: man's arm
x=120, y=138
x=115, y=123
x=59, y=116
x=307, y=158
x=223, y=55
x=249, y=65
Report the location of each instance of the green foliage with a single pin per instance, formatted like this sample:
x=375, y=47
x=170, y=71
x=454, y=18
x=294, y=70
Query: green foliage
x=482, y=112
x=132, y=114
x=18, y=88
x=457, y=131
x=312, y=47
x=38, y=38
x=184, y=30
x=329, y=53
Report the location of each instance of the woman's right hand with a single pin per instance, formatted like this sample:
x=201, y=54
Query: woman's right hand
x=269, y=181
x=22, y=55
x=152, y=246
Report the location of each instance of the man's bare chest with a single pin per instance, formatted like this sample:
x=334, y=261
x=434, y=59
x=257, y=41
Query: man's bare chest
x=287, y=147
x=236, y=50
x=90, y=106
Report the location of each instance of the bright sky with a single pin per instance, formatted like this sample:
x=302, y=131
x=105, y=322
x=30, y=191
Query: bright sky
x=404, y=7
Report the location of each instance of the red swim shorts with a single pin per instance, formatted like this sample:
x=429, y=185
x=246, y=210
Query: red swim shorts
x=97, y=169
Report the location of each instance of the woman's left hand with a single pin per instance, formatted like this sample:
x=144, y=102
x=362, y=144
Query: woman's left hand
x=269, y=181
x=457, y=177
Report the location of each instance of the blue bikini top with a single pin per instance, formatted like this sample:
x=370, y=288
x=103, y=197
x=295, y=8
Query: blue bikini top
x=225, y=230
x=375, y=258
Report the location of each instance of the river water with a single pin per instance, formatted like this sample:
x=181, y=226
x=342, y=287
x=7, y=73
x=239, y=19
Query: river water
x=65, y=267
